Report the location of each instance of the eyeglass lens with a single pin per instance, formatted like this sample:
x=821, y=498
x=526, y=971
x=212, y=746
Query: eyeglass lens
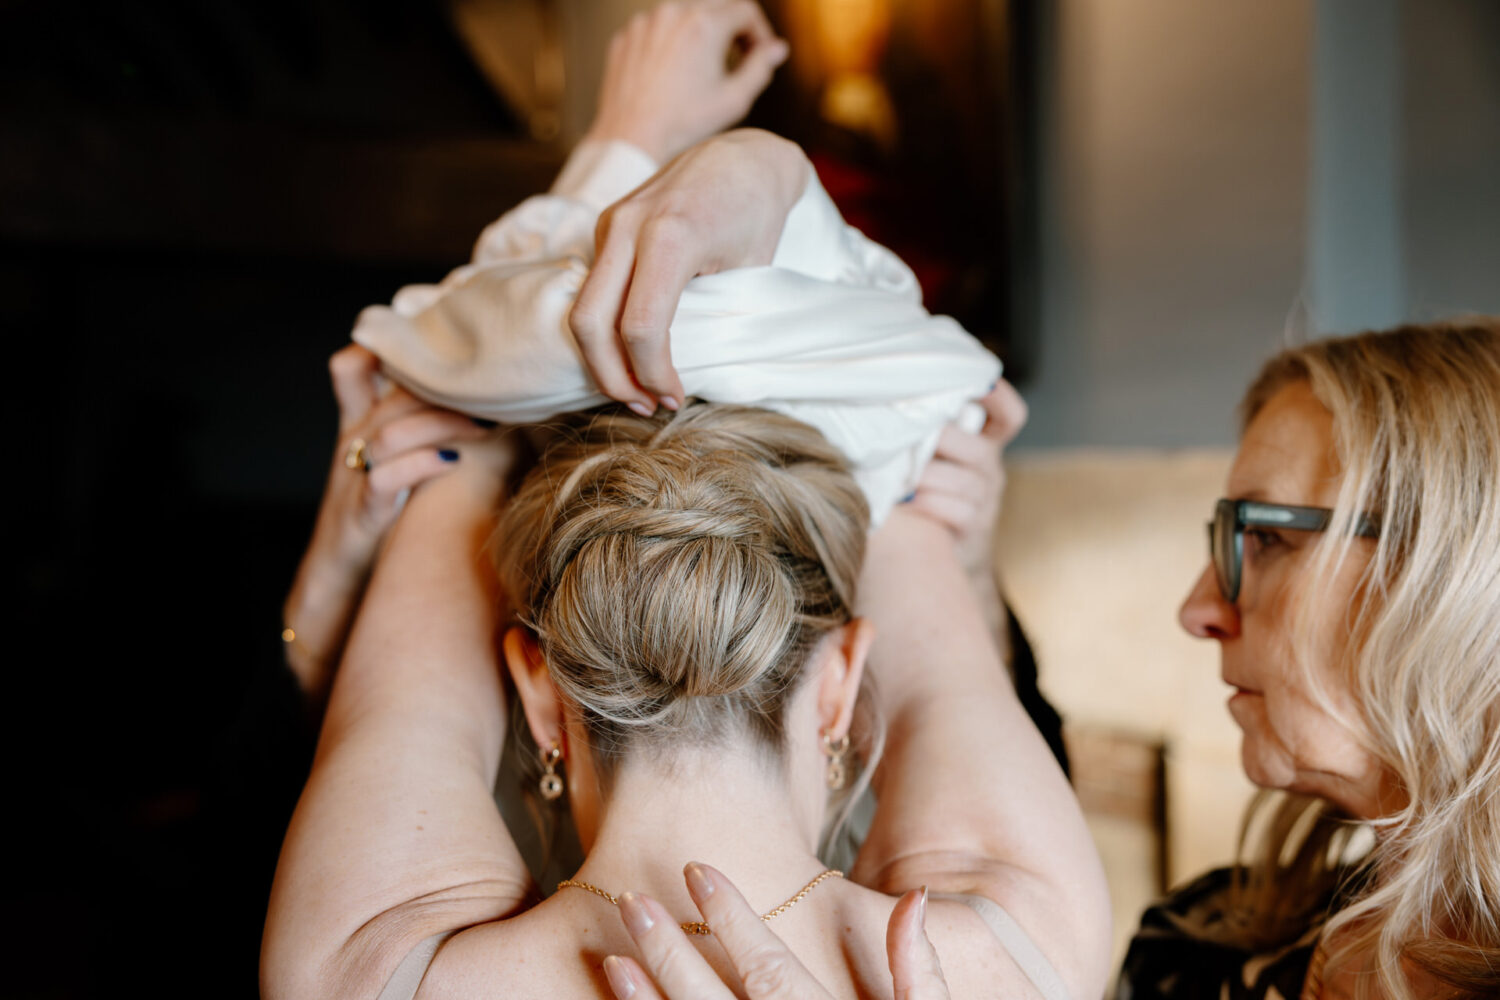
x=1224, y=541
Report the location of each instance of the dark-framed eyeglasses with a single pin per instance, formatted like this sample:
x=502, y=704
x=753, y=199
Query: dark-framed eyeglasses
x=1226, y=533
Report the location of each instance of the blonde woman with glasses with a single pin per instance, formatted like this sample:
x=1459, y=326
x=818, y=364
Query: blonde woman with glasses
x=1354, y=592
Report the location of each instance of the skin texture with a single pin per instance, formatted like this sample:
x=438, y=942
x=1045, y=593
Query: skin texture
x=700, y=222
x=676, y=49
x=719, y=206
x=396, y=837
x=765, y=967
x=1292, y=739
x=406, y=441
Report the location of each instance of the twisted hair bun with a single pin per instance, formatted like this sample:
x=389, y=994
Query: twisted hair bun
x=677, y=571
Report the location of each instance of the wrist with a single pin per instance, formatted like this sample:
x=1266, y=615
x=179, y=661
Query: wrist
x=642, y=137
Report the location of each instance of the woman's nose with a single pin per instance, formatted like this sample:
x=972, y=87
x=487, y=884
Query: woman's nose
x=1205, y=613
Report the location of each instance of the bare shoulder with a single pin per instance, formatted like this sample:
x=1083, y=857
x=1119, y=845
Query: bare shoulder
x=976, y=961
x=540, y=953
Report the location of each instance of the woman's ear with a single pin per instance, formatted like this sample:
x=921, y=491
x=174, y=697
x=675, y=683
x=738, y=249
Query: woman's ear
x=539, y=699
x=843, y=667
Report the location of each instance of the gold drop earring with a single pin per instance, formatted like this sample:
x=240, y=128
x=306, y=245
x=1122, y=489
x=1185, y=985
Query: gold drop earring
x=551, y=785
x=836, y=750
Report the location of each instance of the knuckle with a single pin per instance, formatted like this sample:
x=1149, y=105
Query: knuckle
x=585, y=323
x=639, y=333
x=665, y=960
x=384, y=444
x=670, y=226
x=766, y=974
x=378, y=482
x=626, y=210
x=344, y=361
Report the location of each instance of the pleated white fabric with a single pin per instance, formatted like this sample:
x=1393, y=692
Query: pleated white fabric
x=832, y=333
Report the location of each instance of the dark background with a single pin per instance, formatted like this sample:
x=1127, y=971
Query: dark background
x=196, y=198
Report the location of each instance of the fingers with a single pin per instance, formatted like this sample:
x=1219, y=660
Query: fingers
x=956, y=513
x=596, y=311
x=673, y=962
x=352, y=370
x=916, y=973
x=747, y=19
x=663, y=268
x=1006, y=412
x=426, y=428
x=764, y=52
x=976, y=451
x=768, y=970
x=628, y=981
x=944, y=476
x=389, y=479
x=640, y=282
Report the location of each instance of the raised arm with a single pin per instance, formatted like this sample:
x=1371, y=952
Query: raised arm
x=970, y=798
x=387, y=444
x=396, y=837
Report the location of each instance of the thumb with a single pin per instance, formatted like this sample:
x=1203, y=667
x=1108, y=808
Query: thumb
x=1005, y=412
x=916, y=973
x=754, y=72
x=352, y=370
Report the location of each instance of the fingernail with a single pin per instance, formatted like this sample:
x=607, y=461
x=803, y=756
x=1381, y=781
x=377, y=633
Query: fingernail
x=922, y=909
x=619, y=977
x=699, y=884
x=669, y=403
x=637, y=918
x=909, y=497
x=641, y=408
x=448, y=455
x=486, y=424
x=993, y=386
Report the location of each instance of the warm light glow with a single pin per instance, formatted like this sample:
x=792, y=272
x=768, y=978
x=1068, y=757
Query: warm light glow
x=851, y=34
x=860, y=103
x=850, y=38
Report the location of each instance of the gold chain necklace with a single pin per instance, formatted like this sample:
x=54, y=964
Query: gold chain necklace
x=698, y=926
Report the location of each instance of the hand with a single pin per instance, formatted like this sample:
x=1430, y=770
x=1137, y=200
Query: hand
x=666, y=85
x=407, y=442
x=766, y=968
x=962, y=486
x=719, y=206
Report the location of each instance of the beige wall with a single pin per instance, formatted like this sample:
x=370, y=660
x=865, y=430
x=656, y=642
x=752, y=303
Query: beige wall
x=1098, y=548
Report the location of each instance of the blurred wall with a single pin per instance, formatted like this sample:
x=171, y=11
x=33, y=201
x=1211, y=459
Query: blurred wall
x=1216, y=176
x=1450, y=150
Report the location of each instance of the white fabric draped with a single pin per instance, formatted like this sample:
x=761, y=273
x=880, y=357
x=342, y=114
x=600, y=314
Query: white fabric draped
x=832, y=333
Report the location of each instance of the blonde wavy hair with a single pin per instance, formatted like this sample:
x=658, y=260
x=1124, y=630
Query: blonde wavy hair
x=1416, y=422
x=677, y=571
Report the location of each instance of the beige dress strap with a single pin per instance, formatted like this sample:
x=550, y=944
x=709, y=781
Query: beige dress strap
x=407, y=978
x=1016, y=942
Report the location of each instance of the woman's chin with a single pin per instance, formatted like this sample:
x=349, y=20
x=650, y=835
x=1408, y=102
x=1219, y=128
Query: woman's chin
x=1266, y=767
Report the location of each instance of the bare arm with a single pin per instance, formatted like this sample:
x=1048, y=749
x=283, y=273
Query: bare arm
x=404, y=443
x=396, y=837
x=970, y=798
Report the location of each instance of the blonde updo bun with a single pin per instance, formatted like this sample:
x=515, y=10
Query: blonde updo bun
x=678, y=570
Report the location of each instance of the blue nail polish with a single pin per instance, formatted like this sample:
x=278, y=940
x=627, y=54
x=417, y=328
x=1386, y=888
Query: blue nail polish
x=909, y=497
x=448, y=455
x=486, y=424
x=993, y=386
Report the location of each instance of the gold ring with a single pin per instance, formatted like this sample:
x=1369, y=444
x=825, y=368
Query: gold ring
x=358, y=455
